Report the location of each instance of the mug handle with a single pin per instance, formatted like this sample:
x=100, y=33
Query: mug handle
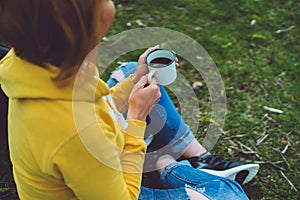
x=150, y=75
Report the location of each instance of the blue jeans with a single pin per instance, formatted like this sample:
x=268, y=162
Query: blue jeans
x=178, y=176
x=169, y=130
x=164, y=123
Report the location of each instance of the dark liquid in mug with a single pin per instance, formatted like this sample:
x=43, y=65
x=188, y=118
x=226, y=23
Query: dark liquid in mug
x=160, y=62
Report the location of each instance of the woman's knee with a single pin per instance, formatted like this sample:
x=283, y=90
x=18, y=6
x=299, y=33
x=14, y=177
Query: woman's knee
x=124, y=70
x=121, y=73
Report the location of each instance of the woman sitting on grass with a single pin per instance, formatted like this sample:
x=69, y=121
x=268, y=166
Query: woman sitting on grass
x=49, y=41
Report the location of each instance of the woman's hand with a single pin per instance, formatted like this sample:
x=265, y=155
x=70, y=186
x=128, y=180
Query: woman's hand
x=142, y=68
x=142, y=98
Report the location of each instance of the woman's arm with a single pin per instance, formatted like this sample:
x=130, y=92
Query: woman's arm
x=120, y=93
x=94, y=166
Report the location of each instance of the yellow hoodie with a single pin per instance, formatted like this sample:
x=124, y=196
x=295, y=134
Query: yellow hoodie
x=66, y=146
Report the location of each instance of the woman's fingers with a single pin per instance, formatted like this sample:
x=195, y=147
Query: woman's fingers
x=176, y=61
x=155, y=90
x=142, y=68
x=143, y=98
x=143, y=56
x=142, y=82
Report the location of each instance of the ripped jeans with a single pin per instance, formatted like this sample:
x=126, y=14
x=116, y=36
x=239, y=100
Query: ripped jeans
x=166, y=128
x=180, y=175
x=164, y=124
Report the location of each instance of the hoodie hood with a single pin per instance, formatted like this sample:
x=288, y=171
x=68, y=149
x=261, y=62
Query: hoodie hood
x=22, y=79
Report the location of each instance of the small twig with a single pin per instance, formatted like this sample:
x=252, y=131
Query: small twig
x=261, y=139
x=273, y=110
x=288, y=134
x=285, y=30
x=233, y=143
x=222, y=131
x=286, y=178
x=246, y=147
x=254, y=147
x=285, y=149
x=234, y=136
x=260, y=162
x=277, y=162
x=285, y=160
x=276, y=166
x=243, y=151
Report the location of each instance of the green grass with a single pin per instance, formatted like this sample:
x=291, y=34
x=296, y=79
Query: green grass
x=259, y=67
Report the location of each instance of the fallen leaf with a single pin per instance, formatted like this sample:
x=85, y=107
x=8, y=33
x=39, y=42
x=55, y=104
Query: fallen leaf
x=258, y=36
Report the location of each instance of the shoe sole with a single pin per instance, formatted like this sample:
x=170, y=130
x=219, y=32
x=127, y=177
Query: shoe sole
x=242, y=174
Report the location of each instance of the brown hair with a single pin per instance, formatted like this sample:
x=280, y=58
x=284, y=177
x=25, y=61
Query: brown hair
x=56, y=32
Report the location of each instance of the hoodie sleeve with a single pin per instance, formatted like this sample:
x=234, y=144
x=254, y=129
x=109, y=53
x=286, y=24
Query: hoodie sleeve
x=120, y=94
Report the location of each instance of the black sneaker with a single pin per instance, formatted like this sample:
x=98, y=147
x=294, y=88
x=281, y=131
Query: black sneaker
x=242, y=172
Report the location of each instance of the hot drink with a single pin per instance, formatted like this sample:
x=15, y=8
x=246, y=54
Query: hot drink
x=162, y=65
x=160, y=62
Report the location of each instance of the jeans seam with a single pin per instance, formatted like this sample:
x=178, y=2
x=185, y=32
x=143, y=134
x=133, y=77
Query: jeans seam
x=175, y=174
x=183, y=141
x=185, y=180
x=168, y=170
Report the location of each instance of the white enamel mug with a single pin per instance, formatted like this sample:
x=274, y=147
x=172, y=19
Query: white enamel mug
x=162, y=65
